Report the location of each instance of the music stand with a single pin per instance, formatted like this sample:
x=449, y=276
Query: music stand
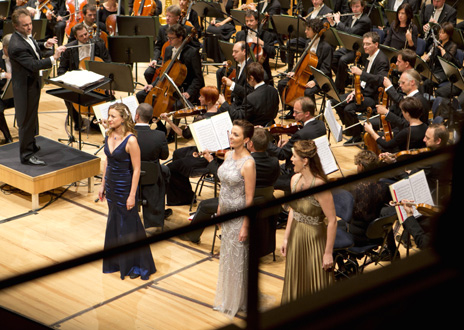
x=82, y=96
x=239, y=16
x=120, y=75
x=226, y=49
x=38, y=28
x=4, y=8
x=351, y=41
x=285, y=24
x=458, y=38
x=424, y=69
x=392, y=53
x=138, y=25
x=208, y=9
x=332, y=37
x=326, y=85
x=391, y=15
x=8, y=91
x=454, y=77
x=376, y=16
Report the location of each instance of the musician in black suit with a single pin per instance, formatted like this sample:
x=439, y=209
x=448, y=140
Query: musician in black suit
x=239, y=87
x=192, y=18
x=271, y=7
x=90, y=20
x=172, y=18
x=74, y=55
x=190, y=57
x=267, y=172
x=5, y=65
x=395, y=4
x=26, y=62
x=358, y=24
x=409, y=83
x=153, y=147
x=324, y=54
x=264, y=38
x=340, y=6
x=262, y=103
x=318, y=10
x=438, y=12
x=303, y=111
x=375, y=69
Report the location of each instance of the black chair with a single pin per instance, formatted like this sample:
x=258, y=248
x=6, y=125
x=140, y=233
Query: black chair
x=205, y=177
x=377, y=232
x=149, y=173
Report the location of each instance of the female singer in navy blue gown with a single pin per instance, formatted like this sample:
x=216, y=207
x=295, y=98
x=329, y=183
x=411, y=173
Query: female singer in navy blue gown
x=121, y=174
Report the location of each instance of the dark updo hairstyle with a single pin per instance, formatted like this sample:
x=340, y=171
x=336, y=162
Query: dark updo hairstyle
x=308, y=149
x=247, y=127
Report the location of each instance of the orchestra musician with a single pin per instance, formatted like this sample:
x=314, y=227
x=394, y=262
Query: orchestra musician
x=185, y=160
x=262, y=103
x=5, y=65
x=317, y=11
x=26, y=62
x=358, y=24
x=264, y=39
x=190, y=57
x=73, y=56
x=303, y=111
x=395, y=4
x=192, y=17
x=219, y=29
x=172, y=17
x=437, y=12
x=375, y=69
x=409, y=83
x=445, y=48
x=402, y=32
x=239, y=86
x=410, y=137
x=89, y=13
x=324, y=53
x=158, y=11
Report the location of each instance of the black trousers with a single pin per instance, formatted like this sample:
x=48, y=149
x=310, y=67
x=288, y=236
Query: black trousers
x=5, y=104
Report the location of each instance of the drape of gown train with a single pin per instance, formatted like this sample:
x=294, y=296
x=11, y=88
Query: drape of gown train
x=231, y=290
x=305, y=250
x=123, y=226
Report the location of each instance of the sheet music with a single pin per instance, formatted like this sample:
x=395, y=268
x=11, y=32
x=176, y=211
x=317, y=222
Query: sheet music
x=101, y=110
x=401, y=190
x=328, y=162
x=212, y=133
x=79, y=78
x=420, y=188
x=334, y=126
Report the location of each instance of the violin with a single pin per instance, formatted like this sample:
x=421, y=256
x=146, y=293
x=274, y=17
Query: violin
x=284, y=129
x=193, y=111
x=259, y=55
x=383, y=100
x=144, y=8
x=225, y=90
x=302, y=72
x=408, y=153
x=422, y=208
x=357, y=82
x=369, y=141
x=45, y=7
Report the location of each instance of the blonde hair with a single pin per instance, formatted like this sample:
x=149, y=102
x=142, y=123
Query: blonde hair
x=128, y=124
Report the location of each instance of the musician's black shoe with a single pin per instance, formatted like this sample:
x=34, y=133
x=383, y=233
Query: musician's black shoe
x=33, y=160
x=353, y=141
x=288, y=115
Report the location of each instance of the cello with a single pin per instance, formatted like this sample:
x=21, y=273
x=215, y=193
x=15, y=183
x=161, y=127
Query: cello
x=161, y=96
x=302, y=72
x=71, y=5
x=144, y=8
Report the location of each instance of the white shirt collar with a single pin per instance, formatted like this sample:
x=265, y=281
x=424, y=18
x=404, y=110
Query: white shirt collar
x=414, y=92
x=373, y=56
x=259, y=84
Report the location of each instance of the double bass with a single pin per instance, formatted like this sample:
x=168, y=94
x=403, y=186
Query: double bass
x=302, y=72
x=161, y=96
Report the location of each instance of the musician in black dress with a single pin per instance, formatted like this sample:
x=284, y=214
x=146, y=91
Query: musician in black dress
x=402, y=32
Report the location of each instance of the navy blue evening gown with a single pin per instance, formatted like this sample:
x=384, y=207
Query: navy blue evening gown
x=123, y=226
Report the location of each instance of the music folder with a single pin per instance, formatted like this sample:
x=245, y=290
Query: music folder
x=285, y=24
x=208, y=9
x=351, y=41
x=226, y=48
x=424, y=69
x=452, y=72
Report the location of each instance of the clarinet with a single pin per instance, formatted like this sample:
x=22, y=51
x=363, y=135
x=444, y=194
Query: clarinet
x=427, y=33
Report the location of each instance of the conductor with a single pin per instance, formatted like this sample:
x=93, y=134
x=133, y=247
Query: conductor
x=26, y=63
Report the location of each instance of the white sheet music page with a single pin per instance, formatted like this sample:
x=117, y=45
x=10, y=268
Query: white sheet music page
x=79, y=78
x=334, y=126
x=328, y=162
x=222, y=125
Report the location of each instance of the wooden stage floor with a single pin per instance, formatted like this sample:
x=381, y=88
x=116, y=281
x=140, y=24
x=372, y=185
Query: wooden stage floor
x=69, y=224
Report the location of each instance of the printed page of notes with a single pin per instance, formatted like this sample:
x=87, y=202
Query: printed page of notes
x=328, y=162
